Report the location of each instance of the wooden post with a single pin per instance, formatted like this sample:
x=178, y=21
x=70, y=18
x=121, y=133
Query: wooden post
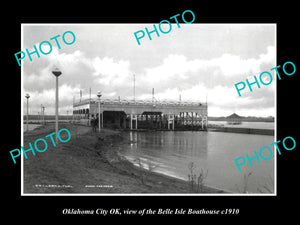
x=192, y=120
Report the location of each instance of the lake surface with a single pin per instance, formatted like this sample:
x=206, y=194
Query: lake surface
x=256, y=125
x=172, y=153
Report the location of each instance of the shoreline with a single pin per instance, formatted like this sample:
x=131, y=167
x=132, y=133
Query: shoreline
x=90, y=164
x=243, y=130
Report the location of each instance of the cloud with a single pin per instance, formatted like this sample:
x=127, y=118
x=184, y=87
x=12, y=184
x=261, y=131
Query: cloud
x=222, y=100
x=111, y=72
x=47, y=99
x=173, y=65
x=79, y=72
x=227, y=65
x=195, y=79
x=193, y=72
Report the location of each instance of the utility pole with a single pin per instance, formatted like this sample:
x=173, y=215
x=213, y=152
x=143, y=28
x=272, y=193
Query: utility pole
x=134, y=88
x=152, y=95
x=99, y=111
x=41, y=113
x=56, y=72
x=43, y=108
x=27, y=97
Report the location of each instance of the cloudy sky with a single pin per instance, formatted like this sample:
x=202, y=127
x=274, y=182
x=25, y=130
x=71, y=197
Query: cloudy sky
x=196, y=61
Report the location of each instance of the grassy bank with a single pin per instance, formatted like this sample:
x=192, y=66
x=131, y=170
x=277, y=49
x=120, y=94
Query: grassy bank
x=90, y=163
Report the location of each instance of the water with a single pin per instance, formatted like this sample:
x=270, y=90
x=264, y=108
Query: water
x=256, y=125
x=172, y=153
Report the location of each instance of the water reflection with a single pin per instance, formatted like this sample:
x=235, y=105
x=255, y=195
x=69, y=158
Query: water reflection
x=133, y=140
x=171, y=153
x=164, y=151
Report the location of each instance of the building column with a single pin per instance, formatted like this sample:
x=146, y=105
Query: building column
x=171, y=120
x=133, y=117
x=160, y=121
x=192, y=120
x=201, y=121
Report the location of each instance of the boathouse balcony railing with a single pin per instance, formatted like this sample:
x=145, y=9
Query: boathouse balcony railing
x=140, y=102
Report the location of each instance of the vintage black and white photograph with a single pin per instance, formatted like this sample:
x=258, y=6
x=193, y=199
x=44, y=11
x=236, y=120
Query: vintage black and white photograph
x=131, y=109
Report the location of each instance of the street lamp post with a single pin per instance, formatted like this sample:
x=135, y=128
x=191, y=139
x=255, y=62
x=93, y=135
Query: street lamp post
x=99, y=117
x=56, y=73
x=27, y=96
x=43, y=114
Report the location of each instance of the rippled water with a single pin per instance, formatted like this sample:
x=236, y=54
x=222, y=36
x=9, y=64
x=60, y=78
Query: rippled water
x=172, y=153
x=257, y=125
